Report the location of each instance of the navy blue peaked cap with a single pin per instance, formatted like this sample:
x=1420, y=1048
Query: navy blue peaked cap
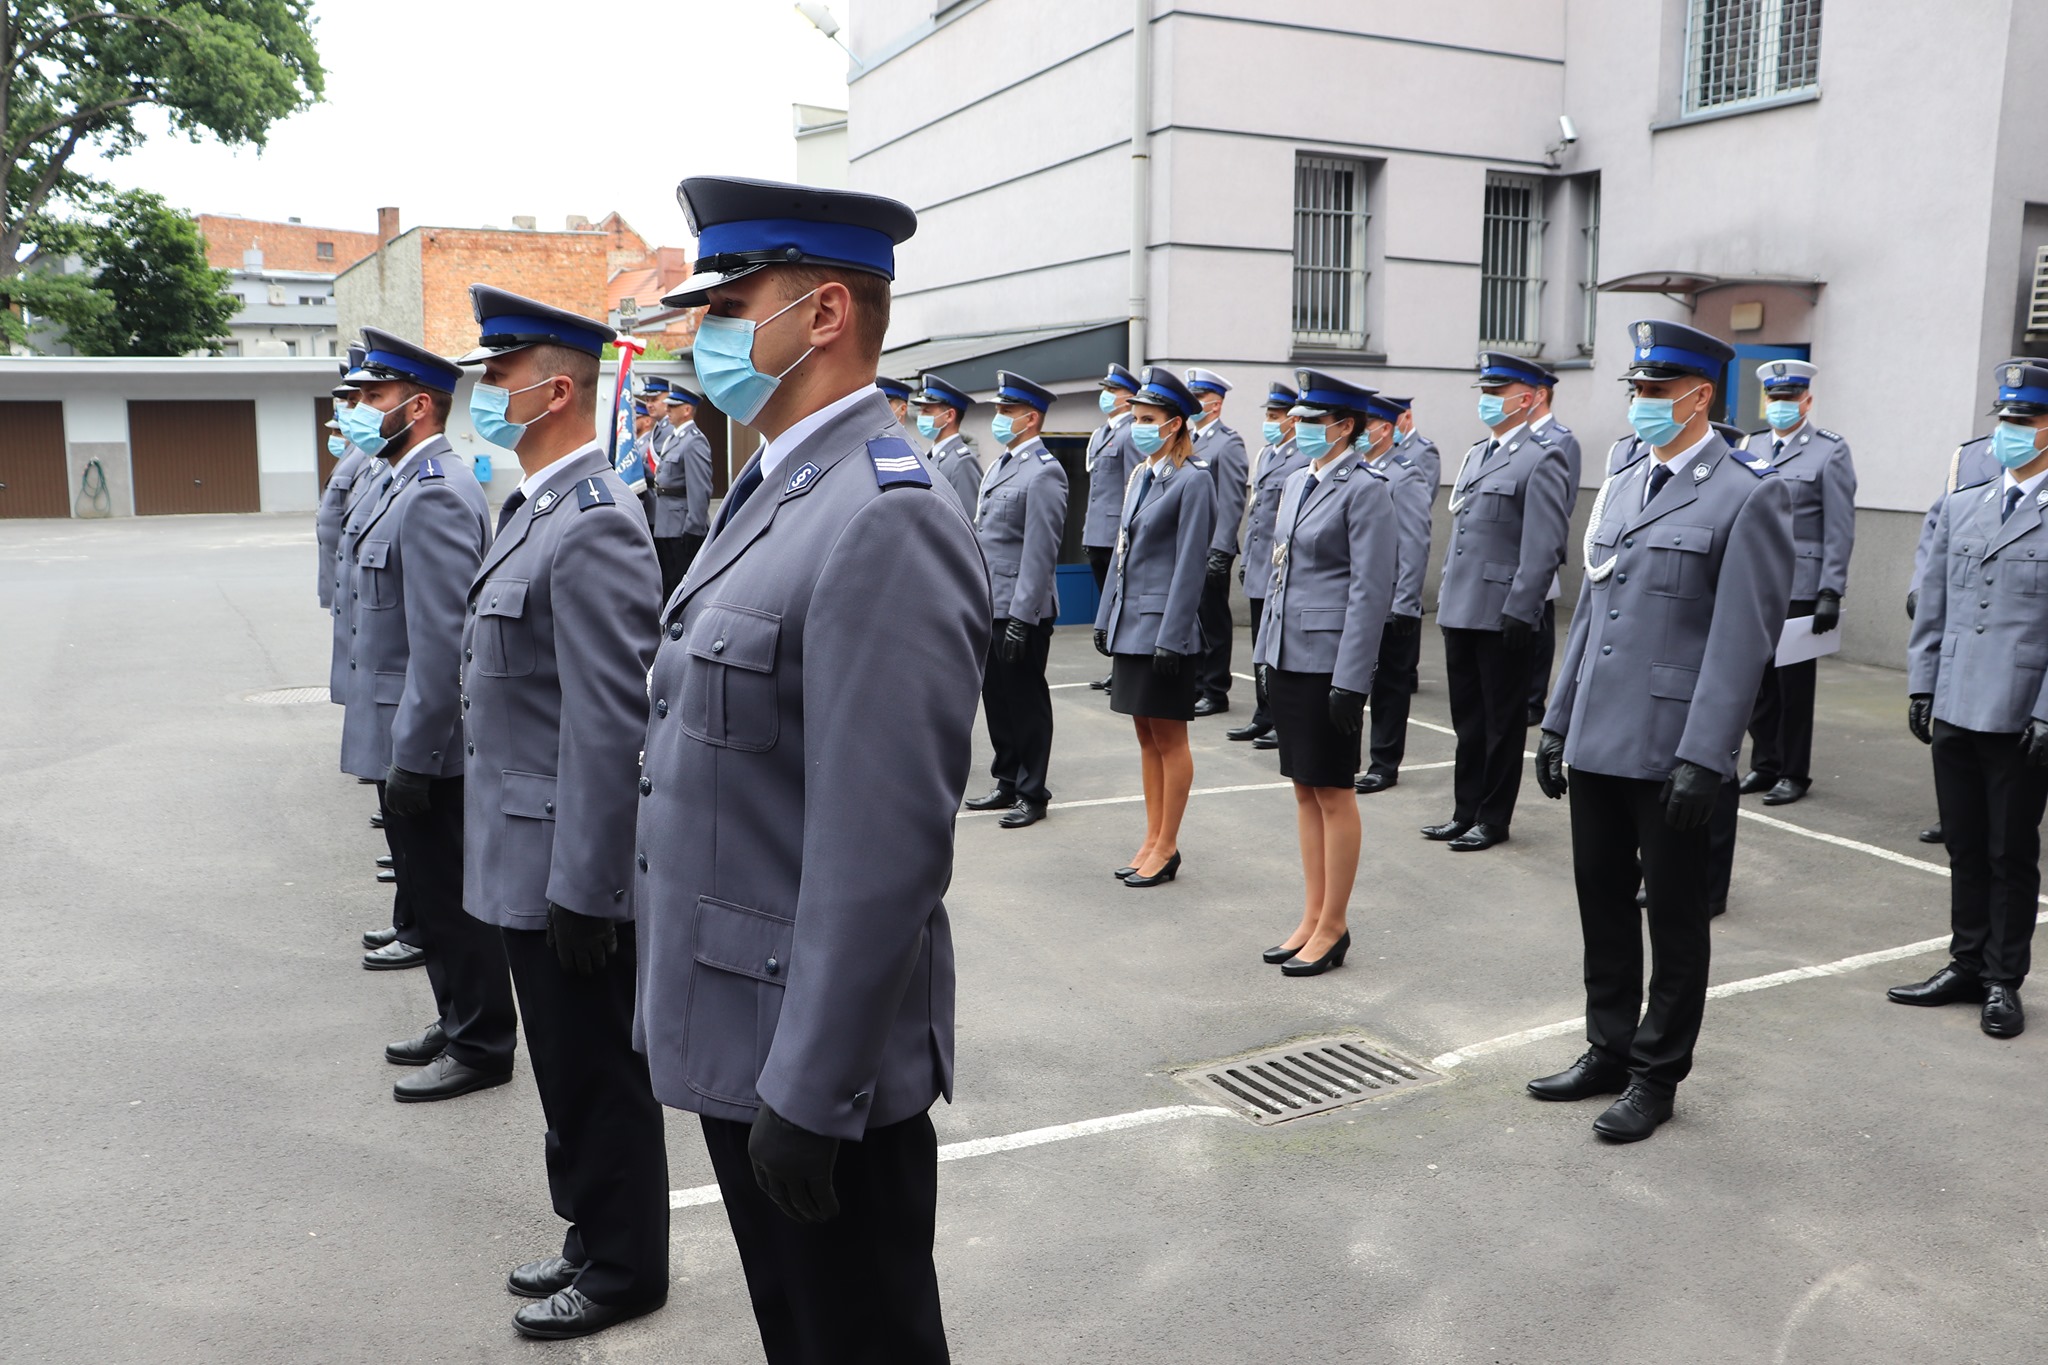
x=1281, y=396
x=1164, y=389
x=510, y=322
x=1118, y=378
x=1670, y=350
x=389, y=358
x=678, y=394
x=894, y=388
x=746, y=225
x=1505, y=367
x=937, y=391
x=1015, y=388
x=1322, y=392
x=654, y=383
x=2022, y=386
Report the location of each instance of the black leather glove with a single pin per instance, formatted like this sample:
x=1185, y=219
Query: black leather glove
x=1102, y=642
x=1912, y=602
x=1347, y=710
x=1920, y=716
x=1219, y=563
x=1689, y=795
x=1240, y=575
x=407, y=793
x=2034, y=744
x=793, y=1167
x=1167, y=663
x=1550, y=778
x=581, y=942
x=1401, y=627
x=1827, y=611
x=1515, y=633
x=1015, y=633
x=1259, y=681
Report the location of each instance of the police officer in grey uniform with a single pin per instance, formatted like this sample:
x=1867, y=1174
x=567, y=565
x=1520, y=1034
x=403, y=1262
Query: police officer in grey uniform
x=1223, y=449
x=1020, y=518
x=1510, y=512
x=1418, y=449
x=1109, y=463
x=796, y=834
x=1546, y=428
x=1688, y=561
x=412, y=551
x=1972, y=463
x=1397, y=678
x=1977, y=673
x=1822, y=480
x=682, y=490
x=898, y=394
x=1278, y=458
x=332, y=513
x=941, y=408
x=555, y=650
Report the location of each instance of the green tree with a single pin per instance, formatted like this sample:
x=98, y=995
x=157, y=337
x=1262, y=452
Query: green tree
x=156, y=293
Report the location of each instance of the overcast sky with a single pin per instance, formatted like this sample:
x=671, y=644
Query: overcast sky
x=465, y=112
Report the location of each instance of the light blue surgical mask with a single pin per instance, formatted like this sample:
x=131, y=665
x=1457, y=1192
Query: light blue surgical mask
x=1782, y=414
x=928, y=426
x=1003, y=427
x=487, y=406
x=336, y=445
x=724, y=355
x=1312, y=440
x=1274, y=432
x=1653, y=422
x=364, y=427
x=1493, y=409
x=1106, y=401
x=2013, y=445
x=1147, y=438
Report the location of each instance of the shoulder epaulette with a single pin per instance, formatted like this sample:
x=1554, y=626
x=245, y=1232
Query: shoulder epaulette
x=1369, y=467
x=1755, y=464
x=1831, y=435
x=1981, y=483
x=1198, y=463
x=1760, y=431
x=590, y=493
x=896, y=464
x=431, y=469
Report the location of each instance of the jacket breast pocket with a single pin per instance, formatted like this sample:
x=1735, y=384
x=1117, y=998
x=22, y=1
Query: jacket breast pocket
x=1964, y=557
x=1494, y=500
x=504, y=634
x=1679, y=559
x=376, y=588
x=729, y=694
x=736, y=988
x=1002, y=507
x=2028, y=572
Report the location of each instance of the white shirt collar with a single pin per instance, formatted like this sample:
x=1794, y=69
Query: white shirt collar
x=1690, y=450
x=530, y=486
x=2027, y=489
x=1502, y=441
x=778, y=449
x=1117, y=419
x=1787, y=437
x=1541, y=422
x=412, y=457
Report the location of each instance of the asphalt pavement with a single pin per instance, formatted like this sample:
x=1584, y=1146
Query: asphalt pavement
x=201, y=1160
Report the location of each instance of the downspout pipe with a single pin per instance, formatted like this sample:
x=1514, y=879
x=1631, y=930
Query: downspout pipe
x=1141, y=176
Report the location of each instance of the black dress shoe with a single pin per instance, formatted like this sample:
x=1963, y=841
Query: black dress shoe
x=999, y=799
x=377, y=938
x=443, y=1079
x=1375, y=782
x=1267, y=741
x=2003, y=1017
x=1249, y=730
x=1754, y=782
x=1447, y=831
x=1124, y=872
x=538, y=1279
x=386, y=875
x=1949, y=986
x=1022, y=814
x=1211, y=706
x=1277, y=954
x=1479, y=838
x=1785, y=792
x=1298, y=966
x=419, y=1051
x=384, y=861
x=377, y=821
x=1642, y=898
x=1932, y=834
x=1102, y=684
x=567, y=1313
x=1634, y=1116
x=1163, y=875
x=393, y=956
x=1591, y=1075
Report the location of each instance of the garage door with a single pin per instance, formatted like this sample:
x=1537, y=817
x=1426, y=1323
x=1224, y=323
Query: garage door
x=194, y=457
x=32, y=478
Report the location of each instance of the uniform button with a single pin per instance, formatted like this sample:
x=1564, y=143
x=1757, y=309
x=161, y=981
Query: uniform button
x=494, y=601
x=351, y=663
x=1607, y=649
x=645, y=786
x=642, y=860
x=1980, y=630
x=465, y=703
x=619, y=894
x=675, y=630
x=718, y=645
x=661, y=706
x=547, y=807
x=356, y=595
x=860, y=1097
x=1614, y=616
x=437, y=753
x=470, y=747
x=1677, y=540
x=1628, y=543
x=774, y=967
x=351, y=629
x=1985, y=603
x=468, y=657
x=1621, y=578
x=472, y=609
x=1461, y=552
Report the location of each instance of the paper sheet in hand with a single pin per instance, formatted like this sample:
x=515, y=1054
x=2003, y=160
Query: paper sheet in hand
x=1797, y=643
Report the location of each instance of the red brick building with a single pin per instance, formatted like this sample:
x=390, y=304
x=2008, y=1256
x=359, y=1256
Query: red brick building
x=285, y=246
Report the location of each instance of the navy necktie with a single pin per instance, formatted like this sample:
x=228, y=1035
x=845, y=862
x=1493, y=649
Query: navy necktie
x=512, y=504
x=1660, y=474
x=2012, y=500
x=737, y=498
x=1144, y=488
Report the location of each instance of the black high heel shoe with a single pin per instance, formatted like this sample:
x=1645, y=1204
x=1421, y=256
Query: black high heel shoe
x=1164, y=874
x=1333, y=958
x=1124, y=872
x=1276, y=955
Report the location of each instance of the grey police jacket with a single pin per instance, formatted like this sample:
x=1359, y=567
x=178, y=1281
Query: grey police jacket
x=1154, y=592
x=1677, y=618
x=795, y=837
x=682, y=484
x=1822, y=481
x=1275, y=464
x=1509, y=518
x=1110, y=461
x=1332, y=580
x=1421, y=452
x=332, y=512
x=1223, y=448
x=360, y=500
x=555, y=650
x=1020, y=518
x=1972, y=463
x=1979, y=643
x=411, y=556
x=1411, y=494
x=957, y=468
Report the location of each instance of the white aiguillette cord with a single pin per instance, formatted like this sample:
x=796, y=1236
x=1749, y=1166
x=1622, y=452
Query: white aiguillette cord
x=1598, y=572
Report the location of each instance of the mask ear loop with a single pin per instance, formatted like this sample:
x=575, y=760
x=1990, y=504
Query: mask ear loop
x=776, y=314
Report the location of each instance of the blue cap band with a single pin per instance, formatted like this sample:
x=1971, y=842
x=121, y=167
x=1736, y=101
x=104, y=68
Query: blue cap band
x=1010, y=394
x=1676, y=357
x=840, y=243
x=2026, y=393
x=1154, y=396
x=440, y=377
x=523, y=329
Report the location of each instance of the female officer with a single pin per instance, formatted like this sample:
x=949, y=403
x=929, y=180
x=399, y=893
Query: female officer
x=1147, y=621
x=1335, y=555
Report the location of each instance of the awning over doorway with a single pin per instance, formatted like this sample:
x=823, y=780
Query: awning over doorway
x=1050, y=355
x=1686, y=286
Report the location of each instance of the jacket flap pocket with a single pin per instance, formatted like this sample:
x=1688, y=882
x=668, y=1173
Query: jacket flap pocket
x=1800, y=473
x=736, y=637
x=1968, y=549
x=506, y=598
x=1673, y=682
x=1151, y=603
x=373, y=553
x=1503, y=484
x=2030, y=654
x=1697, y=540
x=1322, y=618
x=1498, y=573
x=1607, y=534
x=528, y=794
x=389, y=689
x=733, y=938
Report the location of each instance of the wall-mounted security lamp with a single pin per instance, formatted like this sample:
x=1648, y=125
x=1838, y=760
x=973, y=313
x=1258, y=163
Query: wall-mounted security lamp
x=1567, y=134
x=821, y=19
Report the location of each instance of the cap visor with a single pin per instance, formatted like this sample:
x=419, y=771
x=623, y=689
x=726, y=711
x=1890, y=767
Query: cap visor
x=483, y=353
x=1660, y=372
x=697, y=289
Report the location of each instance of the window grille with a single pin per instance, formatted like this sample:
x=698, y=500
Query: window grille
x=2037, y=296
x=1742, y=51
x=1510, y=264
x=1329, y=252
x=1589, y=280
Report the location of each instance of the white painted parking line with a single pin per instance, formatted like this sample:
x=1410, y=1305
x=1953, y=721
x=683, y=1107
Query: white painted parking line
x=1199, y=791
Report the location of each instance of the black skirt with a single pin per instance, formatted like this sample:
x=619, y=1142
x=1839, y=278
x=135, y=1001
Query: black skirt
x=1136, y=688
x=1313, y=751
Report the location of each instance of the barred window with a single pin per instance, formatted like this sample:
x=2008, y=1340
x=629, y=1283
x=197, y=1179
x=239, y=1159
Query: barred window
x=1510, y=264
x=1589, y=278
x=1742, y=51
x=1329, y=252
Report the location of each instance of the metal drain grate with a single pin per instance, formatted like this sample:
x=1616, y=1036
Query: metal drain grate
x=287, y=696
x=1307, y=1078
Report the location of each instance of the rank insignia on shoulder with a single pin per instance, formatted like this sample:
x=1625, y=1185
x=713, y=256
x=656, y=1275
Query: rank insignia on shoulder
x=1700, y=471
x=1831, y=435
x=896, y=464
x=431, y=469
x=590, y=493
x=800, y=478
x=1199, y=463
x=1047, y=457
x=1755, y=464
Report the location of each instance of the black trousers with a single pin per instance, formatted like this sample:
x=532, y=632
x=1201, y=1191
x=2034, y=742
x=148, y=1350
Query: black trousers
x=1542, y=653
x=1394, y=685
x=403, y=922
x=1489, y=690
x=1615, y=820
x=1991, y=804
x=1781, y=722
x=465, y=956
x=1099, y=557
x=861, y=1289
x=1019, y=709
x=1212, y=671
x=675, y=554
x=1262, y=714
x=607, y=1159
